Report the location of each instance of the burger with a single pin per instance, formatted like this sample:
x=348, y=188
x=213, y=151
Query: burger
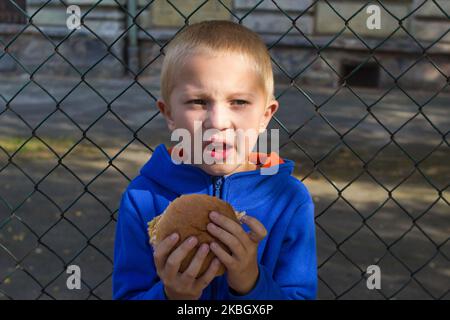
x=188, y=215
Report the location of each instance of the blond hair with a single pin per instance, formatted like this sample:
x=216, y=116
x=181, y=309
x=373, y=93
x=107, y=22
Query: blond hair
x=216, y=37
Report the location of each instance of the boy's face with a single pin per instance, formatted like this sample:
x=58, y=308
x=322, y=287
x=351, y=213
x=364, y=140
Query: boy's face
x=220, y=93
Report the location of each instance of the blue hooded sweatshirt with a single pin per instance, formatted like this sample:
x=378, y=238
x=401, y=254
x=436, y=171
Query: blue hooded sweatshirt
x=286, y=256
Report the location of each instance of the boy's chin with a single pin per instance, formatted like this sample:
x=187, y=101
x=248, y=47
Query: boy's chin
x=218, y=169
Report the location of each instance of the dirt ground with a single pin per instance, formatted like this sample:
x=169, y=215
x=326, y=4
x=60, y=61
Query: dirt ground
x=380, y=199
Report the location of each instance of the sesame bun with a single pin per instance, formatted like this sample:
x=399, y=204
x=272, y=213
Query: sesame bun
x=188, y=215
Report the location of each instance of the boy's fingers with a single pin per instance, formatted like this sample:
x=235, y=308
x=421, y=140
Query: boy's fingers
x=236, y=246
x=194, y=267
x=163, y=249
x=221, y=254
x=174, y=260
x=254, y=237
x=227, y=224
x=257, y=230
x=209, y=274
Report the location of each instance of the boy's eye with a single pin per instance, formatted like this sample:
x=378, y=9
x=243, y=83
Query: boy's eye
x=197, y=101
x=200, y=101
x=241, y=102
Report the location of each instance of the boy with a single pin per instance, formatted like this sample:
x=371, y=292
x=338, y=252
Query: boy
x=218, y=74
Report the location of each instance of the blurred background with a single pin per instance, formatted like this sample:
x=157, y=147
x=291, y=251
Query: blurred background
x=364, y=113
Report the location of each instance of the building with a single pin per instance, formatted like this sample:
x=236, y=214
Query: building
x=308, y=40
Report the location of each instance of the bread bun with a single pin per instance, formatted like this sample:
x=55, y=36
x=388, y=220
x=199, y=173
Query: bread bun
x=188, y=215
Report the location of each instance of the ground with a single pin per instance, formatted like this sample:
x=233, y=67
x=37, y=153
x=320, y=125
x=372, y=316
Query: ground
x=392, y=211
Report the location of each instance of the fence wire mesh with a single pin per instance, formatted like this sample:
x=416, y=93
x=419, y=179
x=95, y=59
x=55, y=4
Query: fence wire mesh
x=375, y=160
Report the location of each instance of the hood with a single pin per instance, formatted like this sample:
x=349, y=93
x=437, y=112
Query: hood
x=243, y=190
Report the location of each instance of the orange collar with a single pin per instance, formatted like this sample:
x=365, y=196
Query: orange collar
x=262, y=160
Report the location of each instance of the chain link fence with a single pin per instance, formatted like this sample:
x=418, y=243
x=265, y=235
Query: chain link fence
x=376, y=160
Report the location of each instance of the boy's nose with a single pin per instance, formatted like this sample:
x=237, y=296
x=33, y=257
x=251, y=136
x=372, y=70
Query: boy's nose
x=217, y=117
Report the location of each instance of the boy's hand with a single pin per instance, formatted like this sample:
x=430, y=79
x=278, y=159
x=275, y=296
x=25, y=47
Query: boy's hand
x=242, y=264
x=183, y=286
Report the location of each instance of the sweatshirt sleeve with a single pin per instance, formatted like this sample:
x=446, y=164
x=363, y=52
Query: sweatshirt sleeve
x=295, y=274
x=134, y=275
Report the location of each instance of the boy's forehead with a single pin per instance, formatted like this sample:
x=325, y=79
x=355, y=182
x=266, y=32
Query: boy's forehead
x=194, y=85
x=188, y=88
x=198, y=76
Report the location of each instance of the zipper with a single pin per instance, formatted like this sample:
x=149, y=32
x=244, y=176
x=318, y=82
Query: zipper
x=217, y=186
x=217, y=192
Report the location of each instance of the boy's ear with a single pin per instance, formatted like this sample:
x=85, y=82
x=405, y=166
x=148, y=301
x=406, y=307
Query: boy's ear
x=165, y=110
x=270, y=110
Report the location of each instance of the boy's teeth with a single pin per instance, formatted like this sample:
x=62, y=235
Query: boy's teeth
x=219, y=146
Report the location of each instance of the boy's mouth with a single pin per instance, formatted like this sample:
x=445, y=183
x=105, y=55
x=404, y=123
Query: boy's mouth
x=219, y=150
